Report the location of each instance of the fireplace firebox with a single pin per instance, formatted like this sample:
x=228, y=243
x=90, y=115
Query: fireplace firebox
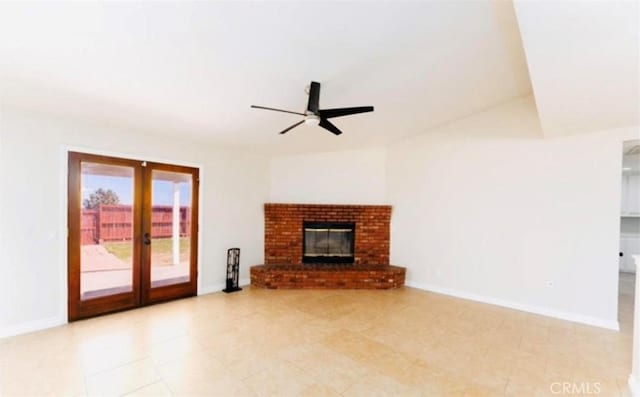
x=328, y=242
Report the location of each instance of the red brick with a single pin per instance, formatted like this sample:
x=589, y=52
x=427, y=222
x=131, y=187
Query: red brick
x=283, y=230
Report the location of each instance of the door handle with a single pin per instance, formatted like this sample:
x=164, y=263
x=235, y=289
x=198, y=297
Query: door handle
x=147, y=239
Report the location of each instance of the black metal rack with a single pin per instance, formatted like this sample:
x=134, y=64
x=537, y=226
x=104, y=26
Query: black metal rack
x=233, y=270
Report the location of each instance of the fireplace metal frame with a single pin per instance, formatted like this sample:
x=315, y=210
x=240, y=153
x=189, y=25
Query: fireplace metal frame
x=329, y=259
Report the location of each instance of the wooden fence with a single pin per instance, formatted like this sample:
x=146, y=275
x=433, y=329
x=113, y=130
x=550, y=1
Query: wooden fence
x=115, y=223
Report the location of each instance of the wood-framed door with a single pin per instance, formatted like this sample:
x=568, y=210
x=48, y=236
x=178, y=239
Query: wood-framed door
x=171, y=275
x=132, y=233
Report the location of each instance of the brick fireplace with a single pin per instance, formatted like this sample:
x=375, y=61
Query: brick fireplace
x=286, y=266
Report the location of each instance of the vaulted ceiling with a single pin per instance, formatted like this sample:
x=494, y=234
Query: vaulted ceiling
x=192, y=70
x=583, y=61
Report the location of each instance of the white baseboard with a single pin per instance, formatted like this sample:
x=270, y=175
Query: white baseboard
x=31, y=326
x=38, y=325
x=633, y=386
x=578, y=318
x=209, y=289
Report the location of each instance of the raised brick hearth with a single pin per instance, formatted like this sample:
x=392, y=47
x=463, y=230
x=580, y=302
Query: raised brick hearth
x=327, y=277
x=283, y=249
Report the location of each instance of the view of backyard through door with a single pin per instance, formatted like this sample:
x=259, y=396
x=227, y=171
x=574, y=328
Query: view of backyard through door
x=106, y=223
x=170, y=255
x=107, y=229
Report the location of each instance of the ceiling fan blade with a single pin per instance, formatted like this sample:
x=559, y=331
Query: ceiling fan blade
x=327, y=125
x=314, y=97
x=277, y=110
x=292, y=127
x=329, y=113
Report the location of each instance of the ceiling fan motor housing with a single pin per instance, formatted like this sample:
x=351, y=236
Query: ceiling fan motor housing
x=311, y=119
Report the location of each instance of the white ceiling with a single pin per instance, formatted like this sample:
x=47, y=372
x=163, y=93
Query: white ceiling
x=193, y=69
x=583, y=60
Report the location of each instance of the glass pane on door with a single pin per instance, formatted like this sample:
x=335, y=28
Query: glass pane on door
x=106, y=231
x=170, y=227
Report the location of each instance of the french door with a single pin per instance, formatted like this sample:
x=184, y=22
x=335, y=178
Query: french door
x=133, y=233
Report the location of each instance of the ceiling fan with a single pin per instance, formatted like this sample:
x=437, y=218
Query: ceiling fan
x=316, y=116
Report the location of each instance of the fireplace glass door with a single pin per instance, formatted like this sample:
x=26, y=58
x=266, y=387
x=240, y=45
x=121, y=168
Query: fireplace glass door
x=328, y=242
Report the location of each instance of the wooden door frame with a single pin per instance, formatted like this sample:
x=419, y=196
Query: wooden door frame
x=174, y=291
x=67, y=197
x=76, y=308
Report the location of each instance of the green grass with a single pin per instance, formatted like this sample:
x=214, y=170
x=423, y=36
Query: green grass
x=123, y=250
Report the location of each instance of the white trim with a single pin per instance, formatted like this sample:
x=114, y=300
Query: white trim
x=65, y=149
x=31, y=326
x=200, y=221
x=634, y=388
x=210, y=289
x=129, y=156
x=578, y=318
x=63, y=234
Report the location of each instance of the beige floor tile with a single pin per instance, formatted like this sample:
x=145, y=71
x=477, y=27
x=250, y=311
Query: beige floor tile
x=171, y=349
x=337, y=371
x=191, y=366
x=483, y=391
x=247, y=360
x=220, y=387
x=623, y=388
x=280, y=379
x=42, y=382
x=517, y=389
x=158, y=389
x=122, y=380
x=31, y=367
x=372, y=354
x=316, y=390
x=328, y=343
x=107, y=351
x=487, y=377
x=374, y=384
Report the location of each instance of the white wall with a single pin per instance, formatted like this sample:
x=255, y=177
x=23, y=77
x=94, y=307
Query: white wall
x=347, y=177
x=583, y=61
x=234, y=185
x=484, y=208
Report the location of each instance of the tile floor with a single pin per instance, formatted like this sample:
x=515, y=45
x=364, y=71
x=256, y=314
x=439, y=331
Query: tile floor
x=319, y=343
